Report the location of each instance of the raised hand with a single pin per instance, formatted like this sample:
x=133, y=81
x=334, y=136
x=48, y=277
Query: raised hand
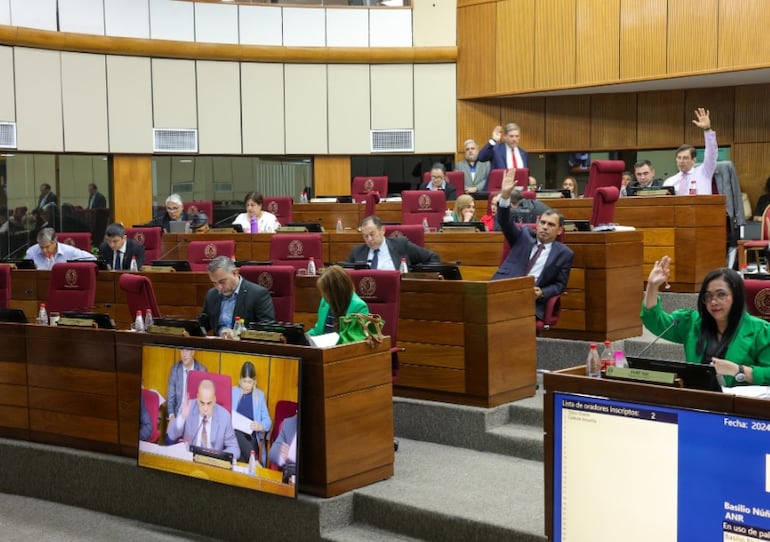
x=702, y=118
x=497, y=133
x=660, y=273
x=509, y=182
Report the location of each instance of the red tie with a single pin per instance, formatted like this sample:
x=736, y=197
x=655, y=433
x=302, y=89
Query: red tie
x=513, y=156
x=533, y=259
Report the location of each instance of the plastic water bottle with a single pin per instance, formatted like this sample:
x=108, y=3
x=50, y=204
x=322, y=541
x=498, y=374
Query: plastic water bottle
x=693, y=187
x=425, y=226
x=593, y=363
x=238, y=327
x=744, y=269
x=254, y=225
x=402, y=267
x=608, y=357
x=448, y=216
x=252, y=463
x=303, y=197
x=42, y=315
x=620, y=359
x=339, y=225
x=139, y=322
x=311, y=266
x=133, y=266
x=148, y=320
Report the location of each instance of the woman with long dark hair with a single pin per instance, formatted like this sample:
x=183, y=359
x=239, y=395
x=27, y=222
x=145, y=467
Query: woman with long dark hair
x=338, y=298
x=719, y=331
x=249, y=401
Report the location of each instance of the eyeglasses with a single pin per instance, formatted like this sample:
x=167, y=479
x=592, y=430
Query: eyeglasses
x=720, y=295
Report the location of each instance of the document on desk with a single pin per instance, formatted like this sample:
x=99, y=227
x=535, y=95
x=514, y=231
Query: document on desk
x=755, y=392
x=180, y=450
x=241, y=423
x=324, y=341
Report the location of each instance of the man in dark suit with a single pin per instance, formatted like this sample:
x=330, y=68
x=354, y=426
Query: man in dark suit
x=46, y=196
x=537, y=254
x=233, y=296
x=644, y=175
x=438, y=181
x=375, y=243
x=506, y=154
x=96, y=199
x=116, y=243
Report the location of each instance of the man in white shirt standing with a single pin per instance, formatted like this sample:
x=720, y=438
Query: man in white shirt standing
x=692, y=179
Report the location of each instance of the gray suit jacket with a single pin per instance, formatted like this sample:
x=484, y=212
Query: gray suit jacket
x=726, y=180
x=220, y=431
x=288, y=430
x=176, y=386
x=482, y=172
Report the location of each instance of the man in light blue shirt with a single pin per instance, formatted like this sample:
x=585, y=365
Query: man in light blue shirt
x=48, y=251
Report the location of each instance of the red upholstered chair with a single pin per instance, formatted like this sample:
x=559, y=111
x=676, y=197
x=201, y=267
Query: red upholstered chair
x=279, y=281
x=206, y=207
x=149, y=238
x=139, y=294
x=280, y=206
x=413, y=232
x=81, y=240
x=495, y=179
x=5, y=286
x=152, y=404
x=419, y=204
x=757, y=248
x=758, y=297
x=604, y=173
x=223, y=386
x=455, y=178
x=200, y=253
x=72, y=287
x=283, y=409
x=361, y=186
x=604, y=205
x=381, y=290
x=295, y=249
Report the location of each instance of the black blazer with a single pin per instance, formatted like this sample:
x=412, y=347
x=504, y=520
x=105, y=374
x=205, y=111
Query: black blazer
x=98, y=202
x=133, y=248
x=254, y=304
x=399, y=247
x=450, y=191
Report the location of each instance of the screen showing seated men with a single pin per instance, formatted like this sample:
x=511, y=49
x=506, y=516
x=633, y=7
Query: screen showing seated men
x=229, y=417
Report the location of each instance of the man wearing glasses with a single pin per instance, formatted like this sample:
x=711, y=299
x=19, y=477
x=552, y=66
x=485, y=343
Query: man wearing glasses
x=438, y=182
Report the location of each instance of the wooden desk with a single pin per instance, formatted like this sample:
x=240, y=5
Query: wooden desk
x=80, y=388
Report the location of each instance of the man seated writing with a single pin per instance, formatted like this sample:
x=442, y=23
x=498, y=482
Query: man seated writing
x=536, y=253
x=386, y=253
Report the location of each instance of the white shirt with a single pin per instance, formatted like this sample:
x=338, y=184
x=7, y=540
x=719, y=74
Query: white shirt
x=702, y=173
x=539, y=265
x=509, y=157
x=384, y=261
x=267, y=223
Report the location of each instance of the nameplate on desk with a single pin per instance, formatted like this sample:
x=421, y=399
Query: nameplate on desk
x=292, y=229
x=461, y=229
x=259, y=335
x=555, y=194
x=214, y=458
x=641, y=375
x=76, y=322
x=423, y=275
x=168, y=330
x=158, y=269
x=221, y=230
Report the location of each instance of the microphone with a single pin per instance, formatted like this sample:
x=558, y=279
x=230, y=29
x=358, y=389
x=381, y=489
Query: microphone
x=195, y=435
x=229, y=220
x=172, y=249
x=670, y=326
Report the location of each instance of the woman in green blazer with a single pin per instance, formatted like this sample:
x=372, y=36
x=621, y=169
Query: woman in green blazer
x=719, y=332
x=338, y=298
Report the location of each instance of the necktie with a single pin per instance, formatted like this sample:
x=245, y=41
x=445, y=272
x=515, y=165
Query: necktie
x=533, y=259
x=684, y=185
x=204, y=434
x=513, y=159
x=375, y=259
x=118, y=261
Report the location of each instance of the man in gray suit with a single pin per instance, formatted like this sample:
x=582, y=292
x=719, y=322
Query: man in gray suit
x=177, y=382
x=205, y=423
x=476, y=172
x=386, y=253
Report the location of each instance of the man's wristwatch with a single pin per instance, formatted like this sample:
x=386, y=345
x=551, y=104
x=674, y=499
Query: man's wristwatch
x=740, y=376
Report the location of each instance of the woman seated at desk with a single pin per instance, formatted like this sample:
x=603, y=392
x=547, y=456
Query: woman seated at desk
x=719, y=331
x=264, y=221
x=249, y=401
x=465, y=209
x=338, y=298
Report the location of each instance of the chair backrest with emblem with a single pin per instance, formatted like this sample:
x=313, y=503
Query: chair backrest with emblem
x=200, y=253
x=279, y=281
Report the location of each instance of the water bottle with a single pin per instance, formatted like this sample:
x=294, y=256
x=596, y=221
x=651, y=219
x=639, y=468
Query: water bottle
x=238, y=327
x=303, y=197
x=254, y=225
x=42, y=315
x=608, y=357
x=311, y=266
x=133, y=266
x=402, y=267
x=448, y=216
x=693, y=187
x=593, y=363
x=148, y=320
x=138, y=322
x=253, y=463
x=425, y=226
x=620, y=359
x=744, y=269
x=339, y=225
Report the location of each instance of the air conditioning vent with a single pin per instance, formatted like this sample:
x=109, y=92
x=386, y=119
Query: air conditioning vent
x=7, y=135
x=392, y=140
x=223, y=187
x=178, y=188
x=173, y=140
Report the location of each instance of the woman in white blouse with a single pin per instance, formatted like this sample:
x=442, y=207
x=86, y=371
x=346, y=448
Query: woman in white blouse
x=266, y=222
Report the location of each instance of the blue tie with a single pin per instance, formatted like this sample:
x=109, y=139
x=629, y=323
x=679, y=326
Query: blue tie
x=375, y=259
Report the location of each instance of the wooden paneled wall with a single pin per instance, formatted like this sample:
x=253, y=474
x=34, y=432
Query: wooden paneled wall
x=517, y=46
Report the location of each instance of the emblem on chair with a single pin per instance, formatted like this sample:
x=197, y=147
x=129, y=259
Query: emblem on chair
x=71, y=278
x=265, y=280
x=762, y=302
x=295, y=248
x=424, y=202
x=273, y=207
x=369, y=185
x=367, y=286
x=139, y=238
x=210, y=252
x=69, y=241
x=396, y=233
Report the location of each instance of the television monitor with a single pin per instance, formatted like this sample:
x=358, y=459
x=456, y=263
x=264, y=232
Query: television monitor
x=13, y=315
x=577, y=225
x=312, y=227
x=192, y=327
x=240, y=263
x=650, y=191
x=546, y=193
x=694, y=375
x=20, y=263
x=178, y=265
x=101, y=319
x=476, y=225
x=99, y=263
x=448, y=271
x=353, y=265
x=178, y=226
x=292, y=333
